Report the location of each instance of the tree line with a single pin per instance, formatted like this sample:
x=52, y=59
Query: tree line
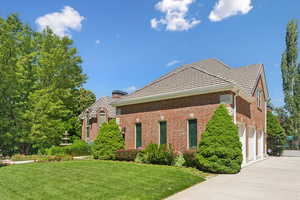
x=41, y=93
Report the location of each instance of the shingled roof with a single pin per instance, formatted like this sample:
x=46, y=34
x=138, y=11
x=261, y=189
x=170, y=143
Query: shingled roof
x=210, y=73
x=102, y=103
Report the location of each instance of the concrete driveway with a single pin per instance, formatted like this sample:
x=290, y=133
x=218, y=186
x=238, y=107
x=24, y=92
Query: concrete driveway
x=271, y=179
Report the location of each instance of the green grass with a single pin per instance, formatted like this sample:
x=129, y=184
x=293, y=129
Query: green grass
x=93, y=180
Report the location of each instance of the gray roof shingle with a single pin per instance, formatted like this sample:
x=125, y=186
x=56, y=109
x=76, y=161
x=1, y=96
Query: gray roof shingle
x=201, y=74
x=103, y=102
x=210, y=72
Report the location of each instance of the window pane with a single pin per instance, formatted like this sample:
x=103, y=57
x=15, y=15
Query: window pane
x=192, y=133
x=138, y=135
x=88, y=128
x=163, y=132
x=102, y=118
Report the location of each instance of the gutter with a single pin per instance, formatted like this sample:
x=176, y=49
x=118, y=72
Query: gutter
x=182, y=93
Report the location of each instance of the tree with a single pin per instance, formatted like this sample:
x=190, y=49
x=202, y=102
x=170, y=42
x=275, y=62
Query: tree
x=276, y=134
x=220, y=150
x=41, y=81
x=17, y=77
x=84, y=99
x=291, y=74
x=284, y=120
x=108, y=141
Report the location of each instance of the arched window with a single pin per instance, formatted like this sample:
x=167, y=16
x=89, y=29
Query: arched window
x=88, y=127
x=102, y=118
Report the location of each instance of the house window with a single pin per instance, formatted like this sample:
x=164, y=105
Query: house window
x=192, y=130
x=102, y=118
x=88, y=127
x=138, y=135
x=163, y=132
x=258, y=98
x=119, y=111
x=226, y=99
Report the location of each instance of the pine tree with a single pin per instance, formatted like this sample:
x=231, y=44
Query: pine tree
x=220, y=150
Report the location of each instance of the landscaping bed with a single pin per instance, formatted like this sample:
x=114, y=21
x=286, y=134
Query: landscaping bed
x=94, y=180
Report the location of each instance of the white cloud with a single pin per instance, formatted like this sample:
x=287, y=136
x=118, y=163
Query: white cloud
x=61, y=22
x=173, y=62
x=228, y=8
x=131, y=89
x=175, y=18
x=98, y=42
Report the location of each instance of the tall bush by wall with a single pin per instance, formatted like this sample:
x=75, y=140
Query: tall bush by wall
x=108, y=141
x=220, y=150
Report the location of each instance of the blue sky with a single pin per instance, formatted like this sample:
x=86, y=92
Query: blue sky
x=121, y=50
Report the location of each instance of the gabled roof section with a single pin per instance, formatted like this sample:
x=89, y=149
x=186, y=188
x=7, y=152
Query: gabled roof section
x=103, y=102
x=246, y=77
x=184, y=79
x=210, y=73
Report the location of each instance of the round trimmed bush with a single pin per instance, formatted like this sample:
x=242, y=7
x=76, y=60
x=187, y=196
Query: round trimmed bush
x=220, y=150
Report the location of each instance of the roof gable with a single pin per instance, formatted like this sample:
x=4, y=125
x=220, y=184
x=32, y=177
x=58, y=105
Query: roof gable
x=203, y=74
x=103, y=102
x=185, y=79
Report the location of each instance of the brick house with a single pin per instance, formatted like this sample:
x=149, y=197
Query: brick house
x=98, y=113
x=176, y=107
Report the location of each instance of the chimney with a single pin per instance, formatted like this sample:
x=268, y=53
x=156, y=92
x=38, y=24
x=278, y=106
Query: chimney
x=118, y=94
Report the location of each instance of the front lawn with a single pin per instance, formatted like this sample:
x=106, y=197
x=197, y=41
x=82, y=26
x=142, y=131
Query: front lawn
x=93, y=180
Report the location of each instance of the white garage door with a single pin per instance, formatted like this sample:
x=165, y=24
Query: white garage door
x=260, y=144
x=251, y=144
x=242, y=134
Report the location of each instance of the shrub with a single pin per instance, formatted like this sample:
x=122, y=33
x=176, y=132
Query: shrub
x=179, y=161
x=127, y=155
x=47, y=158
x=21, y=157
x=55, y=150
x=139, y=158
x=190, y=158
x=156, y=154
x=220, y=150
x=78, y=148
x=41, y=158
x=276, y=135
x=108, y=141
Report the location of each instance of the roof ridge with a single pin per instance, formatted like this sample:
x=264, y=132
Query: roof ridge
x=261, y=67
x=221, y=62
x=251, y=65
x=216, y=75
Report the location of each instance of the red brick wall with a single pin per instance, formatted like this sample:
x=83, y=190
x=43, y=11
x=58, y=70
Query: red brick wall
x=94, y=131
x=252, y=116
x=176, y=112
x=249, y=113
